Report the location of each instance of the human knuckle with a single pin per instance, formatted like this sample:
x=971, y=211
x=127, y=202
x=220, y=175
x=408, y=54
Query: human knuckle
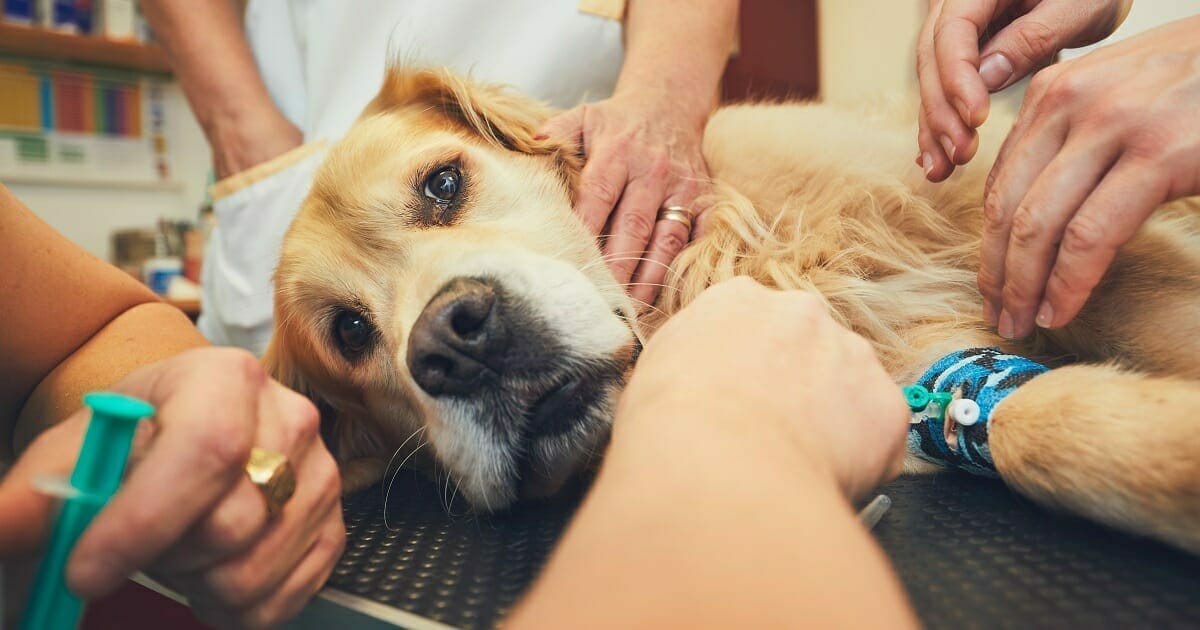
x=1034, y=40
x=1017, y=294
x=671, y=241
x=637, y=222
x=1026, y=226
x=993, y=210
x=242, y=585
x=225, y=443
x=601, y=190
x=659, y=165
x=1041, y=82
x=301, y=418
x=233, y=527
x=988, y=281
x=1065, y=88
x=1084, y=235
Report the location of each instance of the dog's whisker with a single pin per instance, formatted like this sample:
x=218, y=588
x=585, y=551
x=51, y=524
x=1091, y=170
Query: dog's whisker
x=401, y=447
x=388, y=493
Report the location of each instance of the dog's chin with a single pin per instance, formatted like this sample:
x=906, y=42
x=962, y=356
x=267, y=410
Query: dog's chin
x=572, y=424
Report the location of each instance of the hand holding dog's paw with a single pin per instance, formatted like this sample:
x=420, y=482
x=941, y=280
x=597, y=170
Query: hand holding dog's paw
x=770, y=373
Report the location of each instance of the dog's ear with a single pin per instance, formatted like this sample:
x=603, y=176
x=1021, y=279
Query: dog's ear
x=278, y=362
x=498, y=115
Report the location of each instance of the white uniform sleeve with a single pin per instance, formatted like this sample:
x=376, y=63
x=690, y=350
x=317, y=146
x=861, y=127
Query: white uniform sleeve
x=243, y=251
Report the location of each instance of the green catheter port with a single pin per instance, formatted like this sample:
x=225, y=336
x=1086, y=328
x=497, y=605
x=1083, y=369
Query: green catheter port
x=97, y=473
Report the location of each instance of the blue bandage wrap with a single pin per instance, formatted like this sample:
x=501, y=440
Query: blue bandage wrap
x=984, y=375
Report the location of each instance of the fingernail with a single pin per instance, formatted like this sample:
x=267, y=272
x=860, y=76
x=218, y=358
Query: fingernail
x=1045, y=315
x=1006, y=325
x=927, y=163
x=949, y=147
x=989, y=314
x=995, y=70
x=963, y=111
x=919, y=159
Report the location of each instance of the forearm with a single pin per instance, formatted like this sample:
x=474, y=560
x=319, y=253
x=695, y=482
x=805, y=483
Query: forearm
x=207, y=49
x=706, y=539
x=139, y=336
x=679, y=49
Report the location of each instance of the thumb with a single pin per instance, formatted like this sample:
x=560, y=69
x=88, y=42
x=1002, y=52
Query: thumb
x=566, y=127
x=1031, y=41
x=26, y=513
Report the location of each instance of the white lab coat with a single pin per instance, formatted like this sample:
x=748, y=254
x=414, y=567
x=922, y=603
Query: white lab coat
x=323, y=60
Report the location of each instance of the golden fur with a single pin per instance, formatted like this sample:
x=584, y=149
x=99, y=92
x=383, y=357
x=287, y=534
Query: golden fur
x=805, y=197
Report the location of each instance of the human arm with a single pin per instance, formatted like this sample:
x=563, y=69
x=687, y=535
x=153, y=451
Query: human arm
x=68, y=318
x=208, y=51
x=643, y=145
x=968, y=48
x=725, y=497
x=186, y=512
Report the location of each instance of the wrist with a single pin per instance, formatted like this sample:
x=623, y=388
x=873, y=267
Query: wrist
x=700, y=444
x=243, y=137
x=688, y=102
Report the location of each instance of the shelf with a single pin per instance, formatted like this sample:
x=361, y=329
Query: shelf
x=39, y=43
x=88, y=181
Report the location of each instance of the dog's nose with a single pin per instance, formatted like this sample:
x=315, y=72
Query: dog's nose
x=456, y=337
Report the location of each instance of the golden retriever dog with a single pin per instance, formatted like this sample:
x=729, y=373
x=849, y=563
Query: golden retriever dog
x=438, y=298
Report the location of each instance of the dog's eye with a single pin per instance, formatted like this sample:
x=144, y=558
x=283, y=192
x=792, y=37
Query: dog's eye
x=354, y=333
x=443, y=185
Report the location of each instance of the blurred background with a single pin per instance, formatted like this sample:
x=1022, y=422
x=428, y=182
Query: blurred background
x=97, y=139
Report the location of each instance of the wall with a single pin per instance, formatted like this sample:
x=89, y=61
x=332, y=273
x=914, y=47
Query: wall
x=868, y=51
x=867, y=47
x=88, y=215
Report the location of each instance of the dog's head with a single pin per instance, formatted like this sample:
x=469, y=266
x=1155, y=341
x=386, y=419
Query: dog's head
x=437, y=295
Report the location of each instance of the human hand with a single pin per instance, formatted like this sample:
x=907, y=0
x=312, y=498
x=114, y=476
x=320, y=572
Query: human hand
x=968, y=48
x=187, y=514
x=774, y=368
x=251, y=139
x=1100, y=143
x=643, y=154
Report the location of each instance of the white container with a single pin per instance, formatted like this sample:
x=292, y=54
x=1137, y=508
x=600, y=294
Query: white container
x=157, y=272
x=116, y=19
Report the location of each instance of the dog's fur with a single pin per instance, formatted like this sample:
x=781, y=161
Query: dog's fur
x=806, y=197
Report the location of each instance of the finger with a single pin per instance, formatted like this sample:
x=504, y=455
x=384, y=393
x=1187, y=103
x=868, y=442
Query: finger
x=289, y=424
x=1126, y=196
x=566, y=128
x=947, y=141
x=207, y=428
x=293, y=594
x=1032, y=40
x=669, y=238
x=600, y=187
x=932, y=158
x=1033, y=142
x=633, y=222
x=956, y=47
x=1040, y=220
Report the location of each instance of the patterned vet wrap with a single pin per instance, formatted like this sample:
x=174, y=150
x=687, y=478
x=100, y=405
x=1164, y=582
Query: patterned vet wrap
x=985, y=375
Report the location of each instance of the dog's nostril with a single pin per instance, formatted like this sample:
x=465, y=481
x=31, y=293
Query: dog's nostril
x=458, y=337
x=437, y=366
x=469, y=317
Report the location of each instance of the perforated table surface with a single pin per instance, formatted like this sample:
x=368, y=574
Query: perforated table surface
x=970, y=552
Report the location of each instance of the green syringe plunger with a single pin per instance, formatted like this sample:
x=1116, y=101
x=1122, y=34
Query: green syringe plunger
x=94, y=480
